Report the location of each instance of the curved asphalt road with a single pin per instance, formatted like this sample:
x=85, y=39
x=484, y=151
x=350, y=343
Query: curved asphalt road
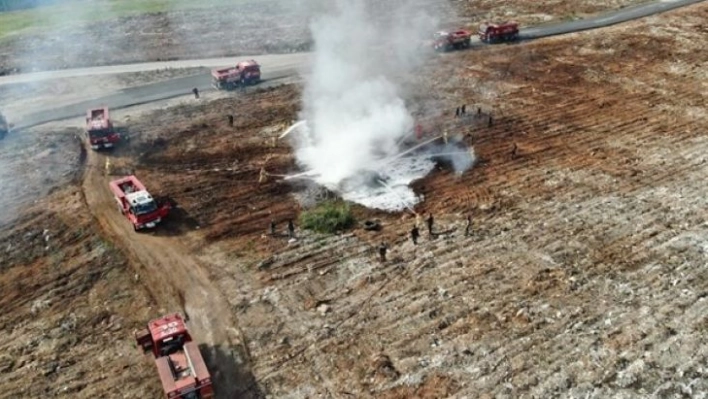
x=276, y=68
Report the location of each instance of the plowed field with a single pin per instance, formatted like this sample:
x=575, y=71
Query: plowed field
x=584, y=276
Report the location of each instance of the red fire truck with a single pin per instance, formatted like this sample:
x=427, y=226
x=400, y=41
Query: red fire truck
x=446, y=41
x=136, y=203
x=182, y=369
x=99, y=129
x=495, y=33
x=243, y=74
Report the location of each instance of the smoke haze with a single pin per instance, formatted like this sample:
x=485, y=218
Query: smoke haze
x=356, y=115
x=102, y=32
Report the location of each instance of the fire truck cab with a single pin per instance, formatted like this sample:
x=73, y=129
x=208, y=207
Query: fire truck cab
x=495, y=33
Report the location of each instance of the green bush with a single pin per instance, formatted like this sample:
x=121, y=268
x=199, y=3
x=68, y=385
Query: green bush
x=328, y=217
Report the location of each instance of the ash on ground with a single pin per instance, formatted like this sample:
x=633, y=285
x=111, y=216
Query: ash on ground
x=386, y=185
x=308, y=194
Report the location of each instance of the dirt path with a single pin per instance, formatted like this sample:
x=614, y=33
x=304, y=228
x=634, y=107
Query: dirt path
x=177, y=281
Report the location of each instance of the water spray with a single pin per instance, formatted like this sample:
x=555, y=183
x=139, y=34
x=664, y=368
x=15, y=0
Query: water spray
x=291, y=128
x=383, y=183
x=354, y=123
x=408, y=151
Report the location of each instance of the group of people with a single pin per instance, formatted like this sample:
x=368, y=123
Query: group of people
x=383, y=247
x=459, y=111
x=415, y=234
x=291, y=228
x=462, y=110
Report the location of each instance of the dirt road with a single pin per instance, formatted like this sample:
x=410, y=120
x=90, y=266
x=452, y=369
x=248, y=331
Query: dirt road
x=177, y=280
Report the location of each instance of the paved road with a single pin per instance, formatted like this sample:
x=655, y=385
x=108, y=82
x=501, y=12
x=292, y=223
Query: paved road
x=276, y=74
x=276, y=67
x=272, y=61
x=608, y=19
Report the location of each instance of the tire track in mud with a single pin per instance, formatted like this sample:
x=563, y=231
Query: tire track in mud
x=177, y=281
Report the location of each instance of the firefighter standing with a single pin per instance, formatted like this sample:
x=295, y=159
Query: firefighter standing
x=291, y=229
x=231, y=120
x=196, y=92
x=415, y=233
x=457, y=112
x=463, y=110
x=469, y=226
x=382, y=251
x=429, y=221
x=490, y=121
x=272, y=227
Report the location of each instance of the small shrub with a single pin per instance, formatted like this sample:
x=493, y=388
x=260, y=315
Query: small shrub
x=328, y=217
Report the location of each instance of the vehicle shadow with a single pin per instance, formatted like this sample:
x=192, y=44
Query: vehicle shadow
x=177, y=222
x=232, y=378
x=121, y=148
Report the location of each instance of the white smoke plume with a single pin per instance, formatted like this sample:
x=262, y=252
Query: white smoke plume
x=353, y=106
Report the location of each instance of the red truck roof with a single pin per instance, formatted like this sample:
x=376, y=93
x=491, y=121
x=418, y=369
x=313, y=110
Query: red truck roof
x=97, y=118
x=183, y=371
x=126, y=185
x=461, y=32
x=454, y=33
x=166, y=326
x=241, y=66
x=508, y=24
x=247, y=64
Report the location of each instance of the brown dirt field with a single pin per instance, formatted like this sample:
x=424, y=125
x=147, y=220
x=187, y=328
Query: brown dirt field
x=585, y=275
x=214, y=164
x=69, y=306
x=174, y=278
x=257, y=27
x=536, y=12
x=32, y=166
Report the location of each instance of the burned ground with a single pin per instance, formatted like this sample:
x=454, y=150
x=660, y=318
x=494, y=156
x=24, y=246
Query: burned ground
x=69, y=303
x=584, y=271
x=536, y=12
x=584, y=276
x=34, y=164
x=20, y=99
x=212, y=170
x=250, y=28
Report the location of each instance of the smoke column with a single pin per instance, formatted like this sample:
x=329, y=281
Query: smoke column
x=352, y=101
